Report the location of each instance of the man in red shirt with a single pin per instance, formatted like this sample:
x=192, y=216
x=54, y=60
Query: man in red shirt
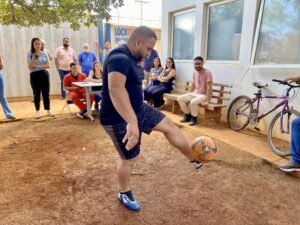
x=76, y=93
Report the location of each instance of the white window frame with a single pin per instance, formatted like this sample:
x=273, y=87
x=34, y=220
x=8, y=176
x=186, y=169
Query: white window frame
x=182, y=11
x=252, y=65
x=208, y=6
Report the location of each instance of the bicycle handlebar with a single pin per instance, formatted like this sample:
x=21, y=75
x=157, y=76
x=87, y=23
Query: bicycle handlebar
x=279, y=81
x=286, y=83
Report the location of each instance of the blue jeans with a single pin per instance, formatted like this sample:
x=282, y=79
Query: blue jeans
x=62, y=74
x=5, y=107
x=97, y=100
x=295, y=141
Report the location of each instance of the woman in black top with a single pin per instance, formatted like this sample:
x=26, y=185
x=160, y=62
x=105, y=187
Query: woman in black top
x=95, y=75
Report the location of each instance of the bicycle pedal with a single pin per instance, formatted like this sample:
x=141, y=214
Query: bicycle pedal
x=256, y=128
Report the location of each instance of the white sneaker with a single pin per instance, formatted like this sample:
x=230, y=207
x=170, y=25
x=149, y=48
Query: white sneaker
x=197, y=164
x=37, y=115
x=49, y=113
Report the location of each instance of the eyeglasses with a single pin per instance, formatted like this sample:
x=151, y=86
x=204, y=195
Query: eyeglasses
x=148, y=48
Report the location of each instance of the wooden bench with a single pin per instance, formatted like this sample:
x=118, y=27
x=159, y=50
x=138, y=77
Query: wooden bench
x=220, y=93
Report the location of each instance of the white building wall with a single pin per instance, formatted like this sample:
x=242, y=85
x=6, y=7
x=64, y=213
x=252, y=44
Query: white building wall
x=15, y=44
x=241, y=74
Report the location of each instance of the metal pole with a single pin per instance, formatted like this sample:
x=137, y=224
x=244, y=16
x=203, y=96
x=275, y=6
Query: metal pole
x=142, y=2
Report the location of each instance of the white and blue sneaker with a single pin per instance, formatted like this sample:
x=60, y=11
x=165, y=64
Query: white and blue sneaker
x=127, y=199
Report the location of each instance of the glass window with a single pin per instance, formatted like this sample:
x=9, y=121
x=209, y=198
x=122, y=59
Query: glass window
x=224, y=30
x=279, y=33
x=183, y=36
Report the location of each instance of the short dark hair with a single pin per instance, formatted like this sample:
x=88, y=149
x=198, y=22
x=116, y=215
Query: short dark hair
x=198, y=58
x=66, y=38
x=72, y=64
x=142, y=32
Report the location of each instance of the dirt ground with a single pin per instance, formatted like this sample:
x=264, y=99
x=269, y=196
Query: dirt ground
x=63, y=171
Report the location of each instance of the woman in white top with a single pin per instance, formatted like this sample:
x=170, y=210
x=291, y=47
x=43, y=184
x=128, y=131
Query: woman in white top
x=38, y=63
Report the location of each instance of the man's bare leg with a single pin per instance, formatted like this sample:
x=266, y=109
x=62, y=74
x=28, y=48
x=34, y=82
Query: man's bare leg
x=175, y=137
x=124, y=173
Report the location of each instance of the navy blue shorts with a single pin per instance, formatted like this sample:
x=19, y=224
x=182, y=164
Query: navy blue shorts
x=148, y=118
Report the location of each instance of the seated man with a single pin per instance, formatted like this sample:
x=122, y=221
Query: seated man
x=76, y=93
x=200, y=92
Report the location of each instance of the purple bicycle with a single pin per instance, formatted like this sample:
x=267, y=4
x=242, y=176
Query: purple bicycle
x=242, y=112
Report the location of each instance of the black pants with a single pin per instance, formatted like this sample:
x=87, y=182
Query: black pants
x=155, y=93
x=39, y=81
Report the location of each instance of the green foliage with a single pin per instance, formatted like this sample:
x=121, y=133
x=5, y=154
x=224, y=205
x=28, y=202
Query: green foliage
x=38, y=12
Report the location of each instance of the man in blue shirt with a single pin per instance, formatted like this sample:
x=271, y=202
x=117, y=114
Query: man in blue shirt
x=86, y=59
x=148, y=62
x=123, y=114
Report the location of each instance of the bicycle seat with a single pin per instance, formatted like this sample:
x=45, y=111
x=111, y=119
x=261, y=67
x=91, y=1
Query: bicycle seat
x=259, y=85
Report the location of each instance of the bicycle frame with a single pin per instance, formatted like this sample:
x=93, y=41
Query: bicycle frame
x=285, y=103
x=258, y=99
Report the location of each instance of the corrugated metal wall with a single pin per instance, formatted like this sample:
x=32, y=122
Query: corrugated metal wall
x=15, y=44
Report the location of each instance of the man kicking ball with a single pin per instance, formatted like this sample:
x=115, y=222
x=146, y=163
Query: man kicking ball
x=123, y=114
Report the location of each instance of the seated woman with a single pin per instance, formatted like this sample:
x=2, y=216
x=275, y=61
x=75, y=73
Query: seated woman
x=95, y=75
x=165, y=86
x=154, y=74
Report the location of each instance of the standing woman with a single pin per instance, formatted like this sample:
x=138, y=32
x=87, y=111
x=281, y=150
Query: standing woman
x=7, y=112
x=165, y=86
x=95, y=75
x=38, y=63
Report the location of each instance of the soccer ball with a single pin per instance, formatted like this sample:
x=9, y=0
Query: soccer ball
x=204, y=149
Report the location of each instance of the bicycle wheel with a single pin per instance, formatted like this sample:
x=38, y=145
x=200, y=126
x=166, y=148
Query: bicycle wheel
x=280, y=140
x=239, y=112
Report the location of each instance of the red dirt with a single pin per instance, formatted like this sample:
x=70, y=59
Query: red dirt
x=63, y=171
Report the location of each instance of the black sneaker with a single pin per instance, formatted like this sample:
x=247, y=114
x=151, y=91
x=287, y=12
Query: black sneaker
x=290, y=167
x=193, y=121
x=186, y=118
x=82, y=114
x=197, y=164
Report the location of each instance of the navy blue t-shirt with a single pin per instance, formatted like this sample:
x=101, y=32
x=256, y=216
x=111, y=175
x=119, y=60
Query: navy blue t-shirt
x=121, y=60
x=148, y=61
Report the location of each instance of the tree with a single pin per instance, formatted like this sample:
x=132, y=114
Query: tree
x=39, y=12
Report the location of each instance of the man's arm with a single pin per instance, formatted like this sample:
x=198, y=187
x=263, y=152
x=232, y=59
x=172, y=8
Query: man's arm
x=68, y=85
x=56, y=55
x=121, y=102
x=98, y=48
x=74, y=57
x=192, y=87
x=292, y=79
x=79, y=60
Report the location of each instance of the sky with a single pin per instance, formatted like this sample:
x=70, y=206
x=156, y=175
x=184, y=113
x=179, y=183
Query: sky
x=130, y=13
